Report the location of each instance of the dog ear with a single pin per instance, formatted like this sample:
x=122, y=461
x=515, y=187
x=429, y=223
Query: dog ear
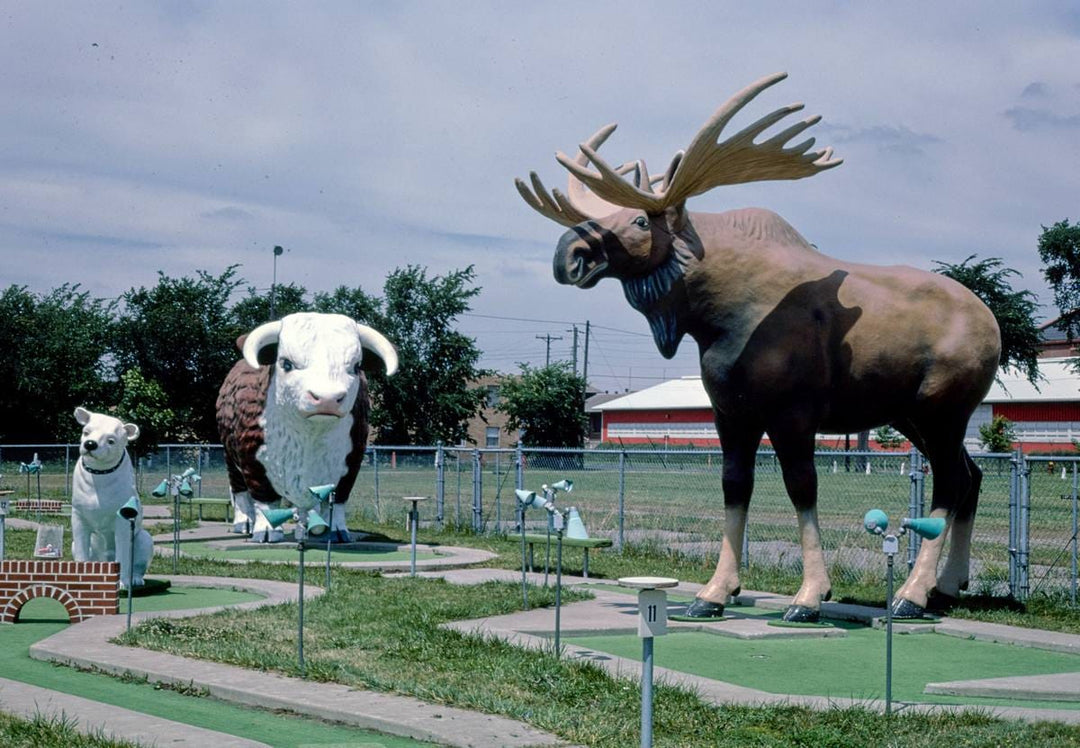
x=132, y=431
x=82, y=415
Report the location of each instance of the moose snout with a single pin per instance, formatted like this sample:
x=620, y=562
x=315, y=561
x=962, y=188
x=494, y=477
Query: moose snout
x=577, y=261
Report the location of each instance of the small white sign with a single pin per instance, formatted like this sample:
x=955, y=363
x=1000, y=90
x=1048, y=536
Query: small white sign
x=652, y=613
x=3, y=507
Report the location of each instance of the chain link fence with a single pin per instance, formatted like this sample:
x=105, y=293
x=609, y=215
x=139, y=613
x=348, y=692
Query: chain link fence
x=1025, y=538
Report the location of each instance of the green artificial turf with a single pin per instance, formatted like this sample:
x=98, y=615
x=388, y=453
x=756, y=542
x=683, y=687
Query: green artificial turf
x=42, y=617
x=848, y=667
x=313, y=554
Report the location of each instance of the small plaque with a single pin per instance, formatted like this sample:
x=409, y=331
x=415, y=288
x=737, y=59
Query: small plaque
x=50, y=542
x=652, y=613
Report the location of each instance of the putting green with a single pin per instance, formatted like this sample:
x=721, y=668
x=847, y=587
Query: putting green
x=313, y=555
x=851, y=667
x=42, y=617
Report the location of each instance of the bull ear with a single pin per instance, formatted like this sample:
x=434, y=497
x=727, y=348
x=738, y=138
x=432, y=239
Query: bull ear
x=82, y=415
x=132, y=431
x=260, y=348
x=374, y=342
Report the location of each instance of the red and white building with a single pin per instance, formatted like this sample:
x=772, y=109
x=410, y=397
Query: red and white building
x=678, y=413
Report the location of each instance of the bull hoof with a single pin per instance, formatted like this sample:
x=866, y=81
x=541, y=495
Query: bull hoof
x=703, y=610
x=340, y=536
x=240, y=528
x=902, y=608
x=801, y=614
x=939, y=602
x=267, y=536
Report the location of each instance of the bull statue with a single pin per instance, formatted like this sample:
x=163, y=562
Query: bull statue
x=792, y=342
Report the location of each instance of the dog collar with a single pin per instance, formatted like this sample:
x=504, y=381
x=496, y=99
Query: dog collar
x=113, y=469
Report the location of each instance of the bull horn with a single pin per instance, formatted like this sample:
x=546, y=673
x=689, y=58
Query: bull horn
x=262, y=336
x=376, y=342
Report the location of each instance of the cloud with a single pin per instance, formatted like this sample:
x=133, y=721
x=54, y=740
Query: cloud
x=889, y=138
x=1027, y=119
x=229, y=213
x=1035, y=90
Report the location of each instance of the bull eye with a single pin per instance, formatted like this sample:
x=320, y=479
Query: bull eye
x=356, y=368
x=641, y=222
x=286, y=365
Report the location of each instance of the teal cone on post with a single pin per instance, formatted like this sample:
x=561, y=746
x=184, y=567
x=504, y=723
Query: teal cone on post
x=316, y=525
x=575, y=528
x=563, y=485
x=322, y=493
x=185, y=488
x=876, y=521
x=130, y=510
x=530, y=499
x=161, y=490
x=278, y=517
x=927, y=528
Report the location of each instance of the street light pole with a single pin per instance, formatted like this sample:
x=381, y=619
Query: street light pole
x=278, y=250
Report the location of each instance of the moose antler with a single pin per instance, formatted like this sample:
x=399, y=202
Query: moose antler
x=705, y=164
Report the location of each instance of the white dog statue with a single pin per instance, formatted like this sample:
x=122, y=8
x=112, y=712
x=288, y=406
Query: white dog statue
x=103, y=481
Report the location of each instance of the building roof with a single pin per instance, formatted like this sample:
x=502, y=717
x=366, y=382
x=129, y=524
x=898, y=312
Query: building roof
x=1060, y=384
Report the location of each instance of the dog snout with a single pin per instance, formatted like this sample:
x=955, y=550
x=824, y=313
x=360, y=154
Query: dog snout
x=90, y=445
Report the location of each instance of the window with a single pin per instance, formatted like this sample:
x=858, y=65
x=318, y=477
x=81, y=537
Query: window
x=492, y=396
x=491, y=436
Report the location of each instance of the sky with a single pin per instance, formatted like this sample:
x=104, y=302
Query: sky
x=362, y=137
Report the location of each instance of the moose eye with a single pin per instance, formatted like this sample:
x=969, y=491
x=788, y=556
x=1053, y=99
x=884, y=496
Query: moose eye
x=641, y=222
x=286, y=365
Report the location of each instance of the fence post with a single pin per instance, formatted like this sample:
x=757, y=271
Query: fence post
x=1075, y=529
x=622, y=499
x=915, y=503
x=477, y=493
x=440, y=484
x=375, y=468
x=1013, y=525
x=519, y=465
x=1025, y=530
x=67, y=472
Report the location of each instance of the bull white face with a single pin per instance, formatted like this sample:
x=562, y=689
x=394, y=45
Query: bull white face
x=317, y=364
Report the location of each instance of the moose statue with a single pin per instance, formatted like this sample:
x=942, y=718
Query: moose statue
x=792, y=342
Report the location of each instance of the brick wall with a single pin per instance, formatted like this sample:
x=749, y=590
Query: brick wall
x=45, y=506
x=84, y=588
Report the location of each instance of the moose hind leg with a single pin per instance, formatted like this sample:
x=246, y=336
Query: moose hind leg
x=954, y=575
x=953, y=486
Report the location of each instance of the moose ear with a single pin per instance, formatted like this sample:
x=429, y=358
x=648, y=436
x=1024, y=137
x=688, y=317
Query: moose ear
x=675, y=216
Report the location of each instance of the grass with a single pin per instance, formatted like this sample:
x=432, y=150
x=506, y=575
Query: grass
x=384, y=634
x=52, y=731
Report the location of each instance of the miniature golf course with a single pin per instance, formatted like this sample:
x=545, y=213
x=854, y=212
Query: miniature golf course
x=42, y=617
x=852, y=666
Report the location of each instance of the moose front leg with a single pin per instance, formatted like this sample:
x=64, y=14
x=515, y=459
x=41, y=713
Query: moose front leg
x=738, y=485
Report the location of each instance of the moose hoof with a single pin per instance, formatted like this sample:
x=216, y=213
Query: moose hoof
x=703, y=610
x=801, y=614
x=906, y=609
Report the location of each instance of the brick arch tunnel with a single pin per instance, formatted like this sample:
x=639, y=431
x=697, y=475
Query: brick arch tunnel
x=84, y=588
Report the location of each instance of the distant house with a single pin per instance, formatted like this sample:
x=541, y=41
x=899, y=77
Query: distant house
x=678, y=413
x=489, y=429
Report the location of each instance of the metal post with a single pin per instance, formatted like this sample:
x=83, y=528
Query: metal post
x=67, y=470
x=646, y=691
x=1014, y=523
x=176, y=524
x=1025, y=537
x=519, y=463
x=622, y=500
x=300, y=603
x=440, y=484
x=915, y=503
x=414, y=520
x=478, y=498
x=131, y=571
x=888, y=633
x=558, y=591
x=375, y=465
x=524, y=584
x=1075, y=529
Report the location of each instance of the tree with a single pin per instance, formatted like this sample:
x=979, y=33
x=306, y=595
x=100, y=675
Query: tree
x=547, y=404
x=430, y=398
x=254, y=309
x=999, y=435
x=182, y=335
x=144, y=403
x=1059, y=250
x=888, y=437
x=56, y=358
x=1014, y=310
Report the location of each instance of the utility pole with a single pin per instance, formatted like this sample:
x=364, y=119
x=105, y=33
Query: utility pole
x=548, y=338
x=273, y=284
x=574, y=369
x=585, y=365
